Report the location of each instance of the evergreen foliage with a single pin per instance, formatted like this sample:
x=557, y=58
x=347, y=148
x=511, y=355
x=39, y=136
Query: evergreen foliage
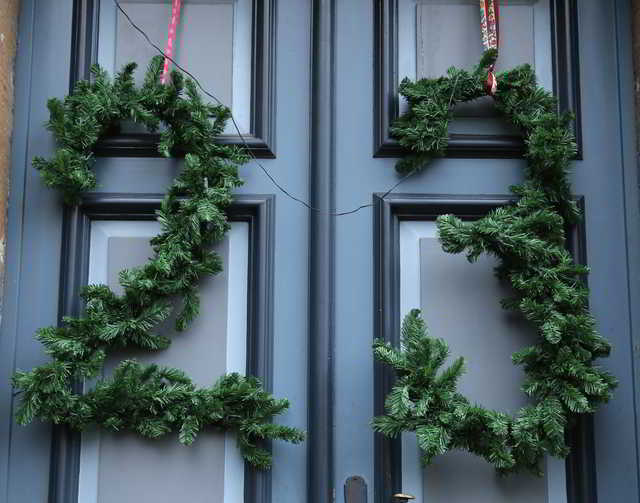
x=147, y=399
x=528, y=238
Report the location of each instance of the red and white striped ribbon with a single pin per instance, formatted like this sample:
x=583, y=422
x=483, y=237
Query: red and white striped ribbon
x=171, y=38
x=490, y=24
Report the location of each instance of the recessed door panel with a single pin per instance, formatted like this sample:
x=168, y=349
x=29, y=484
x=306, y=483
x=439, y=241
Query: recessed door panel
x=434, y=35
x=460, y=302
x=213, y=41
x=115, y=467
x=448, y=34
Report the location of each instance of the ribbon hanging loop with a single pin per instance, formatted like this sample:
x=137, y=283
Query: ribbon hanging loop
x=490, y=25
x=176, y=6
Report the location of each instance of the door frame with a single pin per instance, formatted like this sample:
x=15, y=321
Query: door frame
x=389, y=212
x=258, y=212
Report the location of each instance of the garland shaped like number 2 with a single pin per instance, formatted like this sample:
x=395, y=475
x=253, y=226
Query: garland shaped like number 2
x=528, y=238
x=148, y=399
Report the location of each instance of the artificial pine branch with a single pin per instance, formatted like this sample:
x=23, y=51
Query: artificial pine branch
x=528, y=238
x=147, y=399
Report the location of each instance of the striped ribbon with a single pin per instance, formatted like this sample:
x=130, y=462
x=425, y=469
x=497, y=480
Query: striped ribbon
x=171, y=38
x=490, y=24
x=490, y=21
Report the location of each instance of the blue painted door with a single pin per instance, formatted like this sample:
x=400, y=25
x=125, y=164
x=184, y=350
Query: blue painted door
x=254, y=315
x=391, y=262
x=313, y=85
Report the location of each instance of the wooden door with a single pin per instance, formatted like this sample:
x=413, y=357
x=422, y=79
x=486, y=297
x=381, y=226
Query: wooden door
x=313, y=85
x=391, y=262
x=254, y=315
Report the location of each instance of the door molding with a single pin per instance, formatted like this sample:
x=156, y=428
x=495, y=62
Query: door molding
x=389, y=212
x=566, y=85
x=322, y=230
x=256, y=210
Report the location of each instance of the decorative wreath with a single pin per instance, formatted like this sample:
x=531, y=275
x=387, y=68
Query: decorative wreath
x=147, y=399
x=529, y=240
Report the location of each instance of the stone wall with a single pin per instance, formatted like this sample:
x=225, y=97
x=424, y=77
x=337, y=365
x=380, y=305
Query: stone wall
x=8, y=36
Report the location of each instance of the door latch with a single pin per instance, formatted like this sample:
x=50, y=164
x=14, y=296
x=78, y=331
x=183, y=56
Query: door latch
x=402, y=498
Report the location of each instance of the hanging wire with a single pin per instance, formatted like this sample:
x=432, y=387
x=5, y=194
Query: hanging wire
x=242, y=138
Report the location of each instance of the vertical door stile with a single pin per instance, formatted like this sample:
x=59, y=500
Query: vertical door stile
x=321, y=485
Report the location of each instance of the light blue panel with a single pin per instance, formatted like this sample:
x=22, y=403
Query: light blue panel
x=207, y=25
x=224, y=27
x=200, y=352
x=437, y=34
x=449, y=34
x=460, y=302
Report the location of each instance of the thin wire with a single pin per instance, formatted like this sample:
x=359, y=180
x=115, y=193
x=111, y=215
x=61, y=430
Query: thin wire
x=242, y=138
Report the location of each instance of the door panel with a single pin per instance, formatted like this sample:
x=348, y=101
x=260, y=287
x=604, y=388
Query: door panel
x=222, y=26
x=237, y=65
x=448, y=35
x=233, y=334
x=358, y=271
x=425, y=37
x=459, y=302
x=434, y=35
x=215, y=344
x=46, y=265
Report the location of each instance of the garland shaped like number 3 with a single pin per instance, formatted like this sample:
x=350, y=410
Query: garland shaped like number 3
x=148, y=399
x=529, y=240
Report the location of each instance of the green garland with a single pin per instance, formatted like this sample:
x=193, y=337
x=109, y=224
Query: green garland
x=147, y=399
x=528, y=238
